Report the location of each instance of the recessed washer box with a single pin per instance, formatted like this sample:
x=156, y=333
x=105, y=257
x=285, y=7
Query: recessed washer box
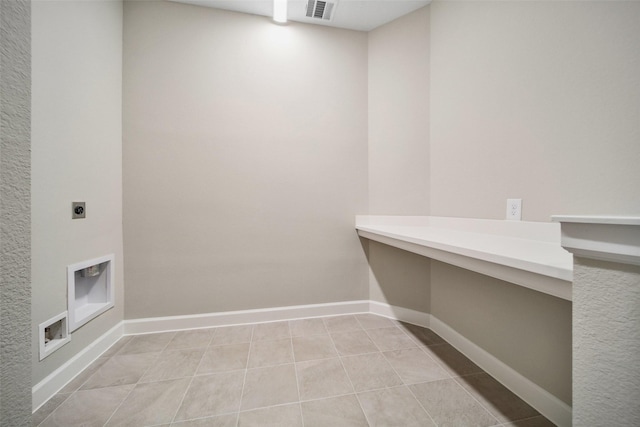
x=53, y=334
x=90, y=289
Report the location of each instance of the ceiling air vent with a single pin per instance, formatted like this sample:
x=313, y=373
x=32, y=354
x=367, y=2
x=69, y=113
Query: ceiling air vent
x=320, y=9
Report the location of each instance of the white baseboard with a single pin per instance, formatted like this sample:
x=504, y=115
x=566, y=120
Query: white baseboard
x=547, y=404
x=55, y=381
x=399, y=313
x=208, y=320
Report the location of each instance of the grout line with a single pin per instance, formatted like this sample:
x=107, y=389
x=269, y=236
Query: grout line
x=316, y=399
x=438, y=363
x=417, y=344
x=262, y=408
x=483, y=406
x=451, y=377
x=90, y=376
x=244, y=380
x=168, y=341
x=308, y=335
x=355, y=354
x=374, y=343
x=138, y=381
x=213, y=335
x=206, y=417
x=445, y=366
x=173, y=419
x=362, y=408
x=54, y=409
x=295, y=371
x=421, y=405
x=301, y=414
x=123, y=400
x=527, y=419
x=355, y=393
x=396, y=372
x=408, y=388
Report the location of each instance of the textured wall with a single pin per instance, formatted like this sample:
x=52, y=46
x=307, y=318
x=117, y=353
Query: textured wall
x=76, y=156
x=15, y=216
x=245, y=161
x=537, y=100
x=606, y=344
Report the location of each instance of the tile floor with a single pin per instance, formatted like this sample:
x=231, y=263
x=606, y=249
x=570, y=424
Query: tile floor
x=352, y=370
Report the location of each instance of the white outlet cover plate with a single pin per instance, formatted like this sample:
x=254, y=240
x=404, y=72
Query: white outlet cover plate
x=514, y=209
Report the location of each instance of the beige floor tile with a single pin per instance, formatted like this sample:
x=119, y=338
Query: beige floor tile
x=173, y=364
x=83, y=376
x=121, y=370
x=354, y=342
x=394, y=407
x=422, y=336
x=270, y=353
x=390, y=339
x=88, y=408
x=148, y=343
x=414, y=366
x=449, y=404
x=210, y=395
x=45, y=410
x=454, y=362
x=372, y=321
x=370, y=371
x=342, y=323
x=531, y=422
x=271, y=331
x=115, y=348
x=275, y=385
x=313, y=347
x=276, y=416
x=322, y=378
x=228, y=420
x=191, y=339
x=342, y=411
x=224, y=358
x=305, y=327
x=232, y=335
x=500, y=401
x=150, y=404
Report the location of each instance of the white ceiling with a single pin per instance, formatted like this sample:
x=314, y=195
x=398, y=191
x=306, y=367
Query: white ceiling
x=361, y=15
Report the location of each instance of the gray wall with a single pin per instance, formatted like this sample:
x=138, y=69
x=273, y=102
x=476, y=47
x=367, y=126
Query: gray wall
x=398, y=108
x=528, y=330
x=245, y=161
x=398, y=67
x=249, y=147
x=76, y=156
x=606, y=345
x=15, y=215
x=535, y=100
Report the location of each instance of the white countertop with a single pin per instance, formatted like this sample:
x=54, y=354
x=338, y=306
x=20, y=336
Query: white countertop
x=598, y=219
x=611, y=238
x=525, y=253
